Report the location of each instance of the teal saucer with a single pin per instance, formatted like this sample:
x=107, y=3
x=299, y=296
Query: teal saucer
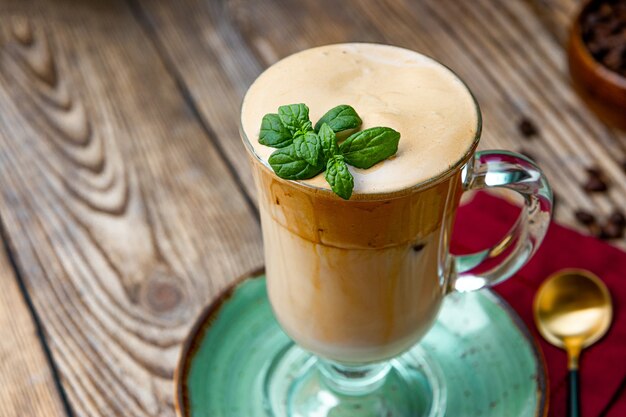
x=487, y=359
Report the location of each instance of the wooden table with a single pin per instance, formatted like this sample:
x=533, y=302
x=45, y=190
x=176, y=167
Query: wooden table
x=126, y=201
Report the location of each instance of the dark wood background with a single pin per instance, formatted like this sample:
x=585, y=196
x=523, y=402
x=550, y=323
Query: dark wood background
x=126, y=202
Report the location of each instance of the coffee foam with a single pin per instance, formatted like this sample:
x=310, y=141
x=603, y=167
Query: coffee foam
x=432, y=109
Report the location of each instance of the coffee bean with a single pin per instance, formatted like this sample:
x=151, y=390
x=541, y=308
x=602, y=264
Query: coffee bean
x=617, y=218
x=584, y=217
x=611, y=231
x=595, y=185
x=595, y=180
x=597, y=48
x=605, y=10
x=602, y=234
x=613, y=59
x=527, y=128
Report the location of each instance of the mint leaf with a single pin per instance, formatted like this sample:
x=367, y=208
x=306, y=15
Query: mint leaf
x=339, y=178
x=370, y=146
x=308, y=147
x=288, y=165
x=295, y=117
x=273, y=132
x=328, y=141
x=342, y=117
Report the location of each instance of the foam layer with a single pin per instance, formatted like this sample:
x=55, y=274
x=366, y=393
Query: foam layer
x=388, y=86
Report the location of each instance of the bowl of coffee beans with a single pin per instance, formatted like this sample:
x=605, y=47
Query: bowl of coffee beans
x=597, y=58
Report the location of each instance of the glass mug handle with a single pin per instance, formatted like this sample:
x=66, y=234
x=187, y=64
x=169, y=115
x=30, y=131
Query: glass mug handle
x=503, y=169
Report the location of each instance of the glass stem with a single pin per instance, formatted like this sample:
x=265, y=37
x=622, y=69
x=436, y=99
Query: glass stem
x=353, y=379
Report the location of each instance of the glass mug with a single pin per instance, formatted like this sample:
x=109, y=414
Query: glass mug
x=359, y=282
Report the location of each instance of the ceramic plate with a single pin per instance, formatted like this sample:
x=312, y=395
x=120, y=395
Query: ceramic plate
x=489, y=362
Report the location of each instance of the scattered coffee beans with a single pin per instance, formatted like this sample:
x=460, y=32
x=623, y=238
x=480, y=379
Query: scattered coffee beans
x=613, y=228
x=611, y=231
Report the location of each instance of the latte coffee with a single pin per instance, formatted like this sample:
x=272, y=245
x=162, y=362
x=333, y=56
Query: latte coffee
x=362, y=280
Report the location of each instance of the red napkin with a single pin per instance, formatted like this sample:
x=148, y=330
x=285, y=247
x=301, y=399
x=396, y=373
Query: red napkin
x=481, y=223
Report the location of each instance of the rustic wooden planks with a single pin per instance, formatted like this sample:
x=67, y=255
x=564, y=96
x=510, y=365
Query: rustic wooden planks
x=513, y=64
x=123, y=217
x=213, y=63
x=26, y=381
x=121, y=168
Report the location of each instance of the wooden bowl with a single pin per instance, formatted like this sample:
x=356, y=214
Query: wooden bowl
x=602, y=89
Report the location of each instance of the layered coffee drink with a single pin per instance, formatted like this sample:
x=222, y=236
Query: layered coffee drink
x=361, y=280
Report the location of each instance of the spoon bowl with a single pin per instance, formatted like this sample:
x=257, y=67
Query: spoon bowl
x=573, y=310
x=573, y=304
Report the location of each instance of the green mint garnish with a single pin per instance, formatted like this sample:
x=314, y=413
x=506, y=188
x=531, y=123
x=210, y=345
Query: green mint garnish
x=274, y=133
x=328, y=141
x=288, y=165
x=339, y=177
x=367, y=148
x=295, y=117
x=308, y=147
x=302, y=153
x=340, y=118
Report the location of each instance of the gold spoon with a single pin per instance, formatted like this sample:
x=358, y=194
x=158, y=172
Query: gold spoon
x=573, y=310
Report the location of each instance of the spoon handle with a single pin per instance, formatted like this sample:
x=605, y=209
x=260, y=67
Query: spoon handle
x=573, y=402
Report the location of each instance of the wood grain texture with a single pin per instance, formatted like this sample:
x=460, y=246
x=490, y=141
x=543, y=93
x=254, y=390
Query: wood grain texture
x=215, y=66
x=513, y=65
x=124, y=219
x=120, y=162
x=556, y=15
x=27, y=385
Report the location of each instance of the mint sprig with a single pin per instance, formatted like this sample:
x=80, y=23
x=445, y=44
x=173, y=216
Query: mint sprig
x=304, y=152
